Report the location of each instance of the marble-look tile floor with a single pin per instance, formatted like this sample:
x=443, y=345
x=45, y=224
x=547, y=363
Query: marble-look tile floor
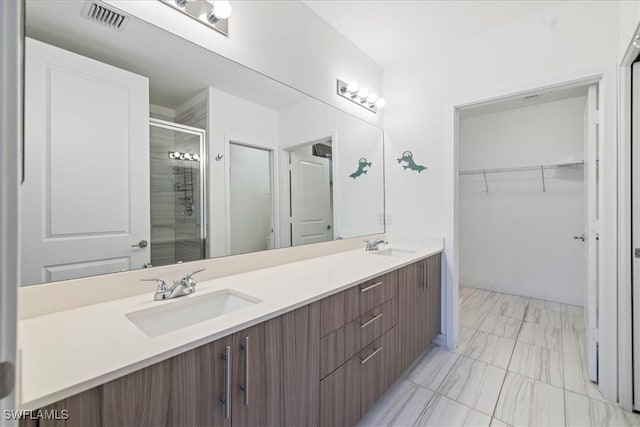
x=519, y=362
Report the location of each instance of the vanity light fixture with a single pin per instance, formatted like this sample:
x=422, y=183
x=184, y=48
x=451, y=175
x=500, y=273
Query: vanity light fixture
x=360, y=95
x=213, y=13
x=177, y=155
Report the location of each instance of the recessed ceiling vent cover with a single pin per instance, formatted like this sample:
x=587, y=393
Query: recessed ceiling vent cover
x=102, y=14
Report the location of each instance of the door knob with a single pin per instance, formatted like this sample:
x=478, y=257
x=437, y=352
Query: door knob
x=141, y=244
x=581, y=237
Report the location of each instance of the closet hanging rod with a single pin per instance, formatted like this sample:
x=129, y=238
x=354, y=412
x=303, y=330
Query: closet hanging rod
x=521, y=168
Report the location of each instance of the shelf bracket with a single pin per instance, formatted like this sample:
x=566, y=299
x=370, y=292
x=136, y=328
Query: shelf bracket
x=486, y=186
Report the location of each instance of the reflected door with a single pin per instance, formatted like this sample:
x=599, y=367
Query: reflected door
x=250, y=199
x=85, y=198
x=311, y=218
x=178, y=177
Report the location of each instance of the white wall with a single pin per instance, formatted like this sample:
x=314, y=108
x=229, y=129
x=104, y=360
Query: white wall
x=573, y=38
x=629, y=19
x=282, y=39
x=358, y=202
x=516, y=238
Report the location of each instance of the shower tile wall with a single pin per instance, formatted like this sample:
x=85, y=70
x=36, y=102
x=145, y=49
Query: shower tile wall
x=188, y=244
x=163, y=228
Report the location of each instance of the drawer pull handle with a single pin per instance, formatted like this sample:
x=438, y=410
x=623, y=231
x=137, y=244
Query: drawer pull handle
x=245, y=388
x=226, y=396
x=370, y=321
x=368, y=288
x=366, y=359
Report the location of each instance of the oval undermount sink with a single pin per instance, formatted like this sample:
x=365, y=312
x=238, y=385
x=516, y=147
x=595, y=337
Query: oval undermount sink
x=186, y=311
x=393, y=252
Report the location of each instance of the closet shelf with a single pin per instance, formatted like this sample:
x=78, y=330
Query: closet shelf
x=540, y=168
x=521, y=168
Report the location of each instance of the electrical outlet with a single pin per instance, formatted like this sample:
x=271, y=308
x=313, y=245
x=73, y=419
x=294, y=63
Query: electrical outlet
x=381, y=219
x=388, y=221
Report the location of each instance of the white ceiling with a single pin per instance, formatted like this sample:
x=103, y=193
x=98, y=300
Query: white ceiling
x=392, y=31
x=177, y=69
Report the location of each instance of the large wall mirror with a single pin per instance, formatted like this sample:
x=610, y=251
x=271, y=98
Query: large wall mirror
x=143, y=149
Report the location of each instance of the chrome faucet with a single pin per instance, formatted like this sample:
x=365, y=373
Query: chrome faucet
x=373, y=246
x=181, y=287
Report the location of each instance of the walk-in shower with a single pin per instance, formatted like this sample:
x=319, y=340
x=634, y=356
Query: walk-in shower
x=178, y=204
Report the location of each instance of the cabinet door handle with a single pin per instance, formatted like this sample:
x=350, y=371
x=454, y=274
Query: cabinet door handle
x=245, y=387
x=226, y=393
x=368, y=288
x=425, y=283
x=370, y=321
x=366, y=359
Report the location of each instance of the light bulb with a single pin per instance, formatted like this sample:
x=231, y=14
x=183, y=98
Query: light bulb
x=380, y=103
x=196, y=157
x=363, y=93
x=352, y=87
x=372, y=98
x=636, y=42
x=181, y=3
x=221, y=9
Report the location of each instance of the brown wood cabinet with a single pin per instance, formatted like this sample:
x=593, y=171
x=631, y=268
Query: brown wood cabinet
x=324, y=364
x=419, y=307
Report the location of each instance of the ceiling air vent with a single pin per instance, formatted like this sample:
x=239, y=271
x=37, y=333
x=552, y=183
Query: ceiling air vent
x=102, y=14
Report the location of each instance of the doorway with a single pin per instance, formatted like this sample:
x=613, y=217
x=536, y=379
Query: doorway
x=251, y=202
x=311, y=193
x=177, y=182
x=527, y=209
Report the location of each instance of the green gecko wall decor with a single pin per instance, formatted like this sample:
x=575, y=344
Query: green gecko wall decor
x=407, y=156
x=362, y=164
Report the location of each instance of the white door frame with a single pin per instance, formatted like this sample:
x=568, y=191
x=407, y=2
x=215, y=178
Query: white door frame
x=625, y=243
x=275, y=199
x=606, y=78
x=11, y=80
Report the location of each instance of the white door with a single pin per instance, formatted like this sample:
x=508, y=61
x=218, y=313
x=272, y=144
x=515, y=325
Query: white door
x=591, y=229
x=250, y=199
x=311, y=219
x=85, y=199
x=635, y=220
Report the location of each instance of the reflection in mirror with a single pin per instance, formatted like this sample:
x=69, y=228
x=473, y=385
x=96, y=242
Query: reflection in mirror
x=143, y=149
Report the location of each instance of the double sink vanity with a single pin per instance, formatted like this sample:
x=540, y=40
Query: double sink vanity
x=313, y=342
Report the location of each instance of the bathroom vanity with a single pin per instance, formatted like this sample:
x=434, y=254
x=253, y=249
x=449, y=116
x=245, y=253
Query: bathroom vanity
x=323, y=355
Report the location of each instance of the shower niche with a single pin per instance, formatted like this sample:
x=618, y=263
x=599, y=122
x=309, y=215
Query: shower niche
x=177, y=169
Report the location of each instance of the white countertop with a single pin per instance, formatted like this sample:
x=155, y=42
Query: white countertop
x=67, y=352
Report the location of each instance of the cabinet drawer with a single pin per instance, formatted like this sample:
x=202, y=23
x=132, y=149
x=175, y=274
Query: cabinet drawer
x=340, y=309
x=350, y=391
x=342, y=344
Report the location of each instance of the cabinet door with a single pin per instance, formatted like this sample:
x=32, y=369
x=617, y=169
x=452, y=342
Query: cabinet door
x=82, y=409
x=250, y=399
x=414, y=321
x=138, y=399
x=198, y=388
x=292, y=352
x=434, y=291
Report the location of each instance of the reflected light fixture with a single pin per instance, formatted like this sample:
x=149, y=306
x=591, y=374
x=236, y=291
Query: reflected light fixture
x=636, y=41
x=360, y=95
x=213, y=13
x=177, y=155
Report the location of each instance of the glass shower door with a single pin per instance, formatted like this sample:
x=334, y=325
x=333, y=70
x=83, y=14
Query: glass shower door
x=178, y=173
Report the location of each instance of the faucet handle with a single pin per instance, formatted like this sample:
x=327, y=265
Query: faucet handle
x=191, y=274
x=162, y=285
